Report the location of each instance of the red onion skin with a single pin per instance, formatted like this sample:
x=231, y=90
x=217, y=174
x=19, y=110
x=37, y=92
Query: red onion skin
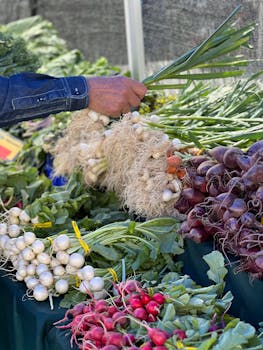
x=197, y=160
x=230, y=157
x=259, y=193
x=225, y=199
x=197, y=234
x=238, y=207
x=204, y=166
x=255, y=147
x=218, y=153
x=254, y=174
x=182, y=205
x=259, y=262
x=244, y=162
x=215, y=170
x=199, y=183
x=193, y=196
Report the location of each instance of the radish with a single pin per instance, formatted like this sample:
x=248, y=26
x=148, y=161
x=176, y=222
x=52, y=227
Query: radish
x=153, y=307
x=140, y=313
x=15, y=211
x=113, y=338
x=59, y=270
x=28, y=254
x=159, y=298
x=157, y=336
x=3, y=228
x=32, y=282
x=87, y=272
x=44, y=258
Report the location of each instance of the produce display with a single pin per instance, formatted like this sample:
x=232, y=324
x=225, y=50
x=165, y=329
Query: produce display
x=105, y=240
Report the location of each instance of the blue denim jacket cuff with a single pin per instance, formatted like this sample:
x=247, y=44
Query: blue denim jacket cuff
x=77, y=92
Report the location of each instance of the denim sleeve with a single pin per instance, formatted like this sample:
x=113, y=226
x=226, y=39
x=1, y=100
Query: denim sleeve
x=26, y=96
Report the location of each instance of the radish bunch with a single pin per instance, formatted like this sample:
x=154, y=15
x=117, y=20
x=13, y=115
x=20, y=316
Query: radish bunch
x=105, y=324
x=223, y=198
x=47, y=269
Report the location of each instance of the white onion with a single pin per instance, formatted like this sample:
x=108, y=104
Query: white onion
x=101, y=294
x=84, y=287
x=19, y=277
x=62, y=242
x=40, y=292
x=13, y=230
x=31, y=282
x=20, y=243
x=43, y=258
x=15, y=211
x=31, y=269
x=76, y=260
x=24, y=217
x=22, y=271
x=46, y=278
x=41, y=268
x=29, y=237
x=13, y=220
x=59, y=270
x=28, y=254
x=62, y=257
x=62, y=286
x=3, y=228
x=54, y=262
x=96, y=284
x=87, y=272
x=38, y=246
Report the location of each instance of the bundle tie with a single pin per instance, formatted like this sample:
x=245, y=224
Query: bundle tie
x=78, y=235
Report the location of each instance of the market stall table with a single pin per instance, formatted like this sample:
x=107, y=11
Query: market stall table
x=28, y=324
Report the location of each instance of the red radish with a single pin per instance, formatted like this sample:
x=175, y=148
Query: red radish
x=140, y=313
x=97, y=332
x=110, y=347
x=160, y=347
x=153, y=307
x=113, y=338
x=120, y=318
x=135, y=301
x=108, y=323
x=151, y=318
x=112, y=309
x=145, y=298
x=129, y=339
x=157, y=336
x=179, y=333
x=159, y=298
x=101, y=306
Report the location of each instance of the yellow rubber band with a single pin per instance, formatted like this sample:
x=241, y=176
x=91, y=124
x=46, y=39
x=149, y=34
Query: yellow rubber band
x=77, y=281
x=180, y=345
x=114, y=274
x=200, y=152
x=78, y=235
x=47, y=224
x=50, y=240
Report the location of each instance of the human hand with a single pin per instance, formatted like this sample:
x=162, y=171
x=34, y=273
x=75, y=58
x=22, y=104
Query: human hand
x=113, y=96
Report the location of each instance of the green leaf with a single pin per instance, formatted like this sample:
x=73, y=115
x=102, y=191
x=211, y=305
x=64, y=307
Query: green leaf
x=217, y=271
x=108, y=253
x=235, y=337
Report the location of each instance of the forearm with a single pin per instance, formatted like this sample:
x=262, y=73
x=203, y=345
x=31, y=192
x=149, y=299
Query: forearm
x=28, y=96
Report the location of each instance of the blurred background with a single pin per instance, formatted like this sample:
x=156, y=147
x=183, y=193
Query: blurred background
x=170, y=27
